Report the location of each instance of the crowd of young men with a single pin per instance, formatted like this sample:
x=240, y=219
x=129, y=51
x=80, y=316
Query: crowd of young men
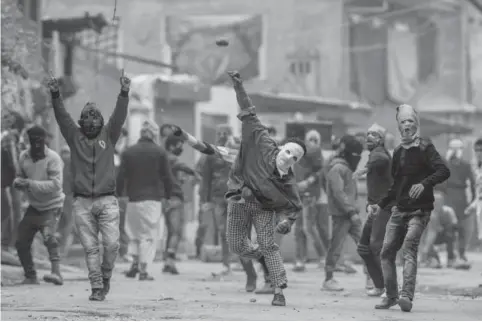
x=253, y=181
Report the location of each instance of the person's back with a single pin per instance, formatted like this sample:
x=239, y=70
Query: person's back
x=145, y=167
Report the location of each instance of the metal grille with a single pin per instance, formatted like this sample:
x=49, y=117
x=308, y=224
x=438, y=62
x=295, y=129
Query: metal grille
x=107, y=41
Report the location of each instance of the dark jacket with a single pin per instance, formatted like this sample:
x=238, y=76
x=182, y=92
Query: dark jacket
x=341, y=188
x=255, y=168
x=379, y=177
x=145, y=172
x=92, y=161
x=418, y=164
x=178, y=168
x=8, y=165
x=214, y=172
x=310, y=166
x=460, y=173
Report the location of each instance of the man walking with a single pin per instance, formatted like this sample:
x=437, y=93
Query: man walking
x=342, y=192
x=456, y=194
x=40, y=178
x=145, y=175
x=378, y=180
x=416, y=168
x=95, y=207
x=174, y=211
x=307, y=172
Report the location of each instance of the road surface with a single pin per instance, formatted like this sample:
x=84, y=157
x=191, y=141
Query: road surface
x=196, y=295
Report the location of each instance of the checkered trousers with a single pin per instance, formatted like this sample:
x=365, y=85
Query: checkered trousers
x=240, y=217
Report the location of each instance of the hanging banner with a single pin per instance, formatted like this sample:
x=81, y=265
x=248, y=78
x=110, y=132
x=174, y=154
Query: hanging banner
x=193, y=45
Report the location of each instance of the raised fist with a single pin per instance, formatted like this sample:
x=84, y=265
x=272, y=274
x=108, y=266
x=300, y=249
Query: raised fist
x=235, y=77
x=53, y=83
x=125, y=82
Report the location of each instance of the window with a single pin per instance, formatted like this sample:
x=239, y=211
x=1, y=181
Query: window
x=300, y=68
x=33, y=9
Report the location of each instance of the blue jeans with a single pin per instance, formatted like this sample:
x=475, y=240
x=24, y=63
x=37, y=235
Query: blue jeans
x=404, y=230
x=91, y=217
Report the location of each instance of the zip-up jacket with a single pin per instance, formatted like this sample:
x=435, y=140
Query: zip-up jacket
x=92, y=161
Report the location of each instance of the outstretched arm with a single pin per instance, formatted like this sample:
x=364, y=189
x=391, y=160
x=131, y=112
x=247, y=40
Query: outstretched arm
x=227, y=154
x=118, y=117
x=66, y=124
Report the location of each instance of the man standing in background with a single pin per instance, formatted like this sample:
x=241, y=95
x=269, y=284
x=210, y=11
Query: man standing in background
x=214, y=184
x=40, y=177
x=456, y=196
x=66, y=225
x=145, y=175
x=378, y=181
x=342, y=205
x=308, y=171
x=174, y=210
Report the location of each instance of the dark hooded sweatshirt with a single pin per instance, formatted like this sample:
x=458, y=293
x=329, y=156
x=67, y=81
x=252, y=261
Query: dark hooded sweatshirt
x=341, y=188
x=92, y=161
x=418, y=164
x=379, y=177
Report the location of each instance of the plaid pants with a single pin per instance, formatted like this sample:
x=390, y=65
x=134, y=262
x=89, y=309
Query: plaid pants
x=240, y=216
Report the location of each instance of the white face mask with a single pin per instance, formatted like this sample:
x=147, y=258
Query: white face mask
x=289, y=154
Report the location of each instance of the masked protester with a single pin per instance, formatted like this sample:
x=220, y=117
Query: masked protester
x=174, y=210
x=40, y=177
x=378, y=180
x=95, y=207
x=456, y=195
x=214, y=173
x=145, y=175
x=341, y=191
x=416, y=168
x=261, y=186
x=307, y=172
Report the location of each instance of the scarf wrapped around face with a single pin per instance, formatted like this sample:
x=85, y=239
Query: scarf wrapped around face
x=456, y=149
x=381, y=131
x=405, y=112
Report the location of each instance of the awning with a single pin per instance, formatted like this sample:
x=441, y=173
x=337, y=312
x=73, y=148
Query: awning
x=292, y=103
x=432, y=126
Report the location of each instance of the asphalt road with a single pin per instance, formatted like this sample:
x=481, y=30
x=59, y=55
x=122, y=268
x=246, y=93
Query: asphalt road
x=196, y=295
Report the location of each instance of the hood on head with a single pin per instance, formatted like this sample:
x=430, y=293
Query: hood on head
x=378, y=129
x=150, y=129
x=313, y=134
x=405, y=111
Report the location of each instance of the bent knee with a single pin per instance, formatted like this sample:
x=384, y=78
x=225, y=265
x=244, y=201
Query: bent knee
x=50, y=240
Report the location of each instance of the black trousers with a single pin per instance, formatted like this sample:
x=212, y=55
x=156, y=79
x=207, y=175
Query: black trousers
x=34, y=221
x=370, y=245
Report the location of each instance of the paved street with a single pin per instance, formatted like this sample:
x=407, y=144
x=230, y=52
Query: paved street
x=195, y=295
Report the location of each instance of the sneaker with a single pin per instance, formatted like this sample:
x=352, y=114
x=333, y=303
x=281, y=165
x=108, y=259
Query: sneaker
x=279, y=300
x=386, y=303
x=30, y=281
x=266, y=289
x=405, y=304
x=55, y=279
x=376, y=292
x=106, y=288
x=133, y=271
x=97, y=295
x=170, y=269
x=332, y=285
x=349, y=269
x=145, y=277
x=299, y=267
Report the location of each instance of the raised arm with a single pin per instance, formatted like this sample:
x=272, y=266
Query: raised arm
x=227, y=154
x=67, y=125
x=118, y=117
x=251, y=128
